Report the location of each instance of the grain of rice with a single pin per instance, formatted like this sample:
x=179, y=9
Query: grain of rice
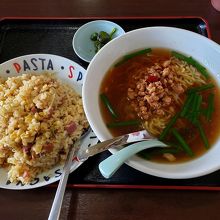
x=36, y=112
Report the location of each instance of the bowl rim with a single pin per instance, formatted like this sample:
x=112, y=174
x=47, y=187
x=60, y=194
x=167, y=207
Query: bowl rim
x=96, y=129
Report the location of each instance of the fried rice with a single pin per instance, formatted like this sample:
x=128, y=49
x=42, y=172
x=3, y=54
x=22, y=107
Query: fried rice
x=40, y=118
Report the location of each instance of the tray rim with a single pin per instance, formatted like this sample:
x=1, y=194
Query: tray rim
x=109, y=17
x=123, y=186
x=143, y=187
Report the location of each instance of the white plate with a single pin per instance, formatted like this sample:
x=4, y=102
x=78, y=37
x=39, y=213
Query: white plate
x=67, y=71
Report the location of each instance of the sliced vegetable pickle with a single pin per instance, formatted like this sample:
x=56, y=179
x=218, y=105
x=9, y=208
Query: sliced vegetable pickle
x=112, y=33
x=94, y=36
x=101, y=38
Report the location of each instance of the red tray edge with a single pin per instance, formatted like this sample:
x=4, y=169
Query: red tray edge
x=111, y=186
x=153, y=187
x=112, y=17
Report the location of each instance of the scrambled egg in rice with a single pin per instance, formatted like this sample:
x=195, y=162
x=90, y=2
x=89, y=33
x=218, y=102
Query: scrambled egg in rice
x=40, y=118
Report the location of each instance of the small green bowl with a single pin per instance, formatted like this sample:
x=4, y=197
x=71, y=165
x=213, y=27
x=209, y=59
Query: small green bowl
x=83, y=46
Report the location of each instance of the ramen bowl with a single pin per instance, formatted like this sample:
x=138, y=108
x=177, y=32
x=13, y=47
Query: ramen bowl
x=189, y=43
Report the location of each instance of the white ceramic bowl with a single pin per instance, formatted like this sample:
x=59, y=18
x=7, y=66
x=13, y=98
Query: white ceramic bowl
x=83, y=46
x=201, y=48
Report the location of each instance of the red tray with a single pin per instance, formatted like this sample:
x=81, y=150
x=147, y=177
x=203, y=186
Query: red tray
x=20, y=36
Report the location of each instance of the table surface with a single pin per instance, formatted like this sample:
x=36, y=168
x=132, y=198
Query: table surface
x=112, y=203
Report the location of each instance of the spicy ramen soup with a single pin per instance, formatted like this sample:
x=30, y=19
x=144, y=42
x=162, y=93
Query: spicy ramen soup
x=170, y=95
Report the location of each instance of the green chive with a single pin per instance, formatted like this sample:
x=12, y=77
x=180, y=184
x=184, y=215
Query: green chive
x=168, y=127
x=129, y=56
x=108, y=105
x=123, y=123
x=180, y=56
x=182, y=142
x=204, y=112
x=201, y=88
x=140, y=52
x=210, y=108
x=191, y=114
x=203, y=136
x=196, y=111
x=192, y=62
x=187, y=104
x=199, y=67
